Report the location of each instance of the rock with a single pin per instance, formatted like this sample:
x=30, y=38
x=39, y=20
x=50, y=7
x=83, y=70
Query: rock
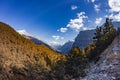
x=106, y=69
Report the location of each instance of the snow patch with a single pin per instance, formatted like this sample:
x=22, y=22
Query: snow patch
x=23, y=32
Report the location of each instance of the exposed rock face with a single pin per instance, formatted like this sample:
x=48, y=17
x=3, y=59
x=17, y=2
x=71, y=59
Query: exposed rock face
x=66, y=47
x=84, y=38
x=116, y=24
x=108, y=67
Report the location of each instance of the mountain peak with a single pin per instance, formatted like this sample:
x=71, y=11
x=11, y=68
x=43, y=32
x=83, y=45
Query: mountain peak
x=23, y=32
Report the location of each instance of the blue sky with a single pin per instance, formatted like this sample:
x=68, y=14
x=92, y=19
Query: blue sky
x=57, y=21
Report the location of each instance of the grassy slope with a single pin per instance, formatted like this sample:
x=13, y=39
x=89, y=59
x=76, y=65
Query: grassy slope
x=16, y=51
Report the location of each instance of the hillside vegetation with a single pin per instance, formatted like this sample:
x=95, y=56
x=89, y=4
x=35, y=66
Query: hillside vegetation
x=21, y=59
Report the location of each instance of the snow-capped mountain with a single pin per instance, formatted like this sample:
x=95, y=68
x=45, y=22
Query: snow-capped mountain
x=55, y=45
x=23, y=32
x=27, y=35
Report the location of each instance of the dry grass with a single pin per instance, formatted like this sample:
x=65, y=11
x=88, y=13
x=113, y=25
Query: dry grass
x=19, y=52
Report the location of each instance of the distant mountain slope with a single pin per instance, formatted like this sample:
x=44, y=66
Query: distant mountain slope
x=66, y=47
x=116, y=24
x=84, y=38
x=32, y=38
x=21, y=59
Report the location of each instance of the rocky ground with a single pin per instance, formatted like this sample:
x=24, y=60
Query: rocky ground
x=108, y=67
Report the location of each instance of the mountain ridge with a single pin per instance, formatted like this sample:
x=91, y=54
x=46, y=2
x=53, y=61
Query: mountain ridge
x=25, y=34
x=65, y=48
x=84, y=38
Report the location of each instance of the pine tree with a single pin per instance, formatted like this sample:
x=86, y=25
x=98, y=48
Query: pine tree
x=98, y=33
x=108, y=25
x=75, y=63
x=103, y=37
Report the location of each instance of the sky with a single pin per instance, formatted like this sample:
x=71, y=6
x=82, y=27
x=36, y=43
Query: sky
x=57, y=21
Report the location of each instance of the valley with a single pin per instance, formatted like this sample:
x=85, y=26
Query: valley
x=59, y=39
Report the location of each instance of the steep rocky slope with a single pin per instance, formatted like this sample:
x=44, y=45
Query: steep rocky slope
x=66, y=47
x=108, y=67
x=84, y=38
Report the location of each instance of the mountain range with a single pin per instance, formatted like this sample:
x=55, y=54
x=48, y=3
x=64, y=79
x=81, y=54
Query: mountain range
x=82, y=39
x=65, y=48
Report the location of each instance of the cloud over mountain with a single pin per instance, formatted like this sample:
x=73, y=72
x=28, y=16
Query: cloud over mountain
x=98, y=21
x=57, y=37
x=77, y=23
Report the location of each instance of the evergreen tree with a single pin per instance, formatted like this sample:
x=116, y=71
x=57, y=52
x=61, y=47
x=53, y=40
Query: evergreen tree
x=98, y=33
x=108, y=25
x=103, y=37
x=75, y=63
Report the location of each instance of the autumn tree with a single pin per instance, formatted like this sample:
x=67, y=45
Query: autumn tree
x=75, y=63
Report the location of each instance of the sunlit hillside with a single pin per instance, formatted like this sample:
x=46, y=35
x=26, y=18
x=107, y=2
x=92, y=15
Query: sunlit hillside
x=18, y=55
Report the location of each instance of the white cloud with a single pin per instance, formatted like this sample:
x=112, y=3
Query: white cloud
x=57, y=37
x=98, y=21
x=73, y=7
x=106, y=16
x=63, y=30
x=85, y=28
x=97, y=8
x=114, y=5
x=54, y=43
x=78, y=23
x=115, y=17
x=88, y=0
x=62, y=38
x=93, y=1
